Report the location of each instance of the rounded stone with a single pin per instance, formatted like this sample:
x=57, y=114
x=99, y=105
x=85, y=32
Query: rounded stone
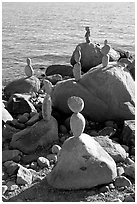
x=56, y=149
x=63, y=129
x=77, y=124
x=52, y=157
x=22, y=119
x=43, y=162
x=76, y=104
x=122, y=181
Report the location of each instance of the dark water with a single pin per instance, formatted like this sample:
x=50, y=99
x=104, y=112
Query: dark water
x=49, y=32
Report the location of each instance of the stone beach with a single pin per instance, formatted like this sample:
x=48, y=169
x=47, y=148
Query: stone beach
x=76, y=133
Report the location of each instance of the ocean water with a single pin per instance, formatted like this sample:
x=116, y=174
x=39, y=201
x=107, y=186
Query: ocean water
x=49, y=32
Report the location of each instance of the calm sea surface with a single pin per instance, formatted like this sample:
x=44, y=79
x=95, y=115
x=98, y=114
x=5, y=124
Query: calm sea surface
x=49, y=32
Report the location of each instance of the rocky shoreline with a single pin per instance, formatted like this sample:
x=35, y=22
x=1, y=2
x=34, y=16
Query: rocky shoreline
x=36, y=126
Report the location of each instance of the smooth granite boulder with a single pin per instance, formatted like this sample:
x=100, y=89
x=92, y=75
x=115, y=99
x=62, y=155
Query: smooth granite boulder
x=108, y=93
x=63, y=70
x=91, y=56
x=82, y=163
x=42, y=133
x=22, y=85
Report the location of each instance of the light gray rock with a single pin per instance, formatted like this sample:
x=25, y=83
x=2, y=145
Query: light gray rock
x=5, y=114
x=43, y=162
x=82, y=163
x=114, y=149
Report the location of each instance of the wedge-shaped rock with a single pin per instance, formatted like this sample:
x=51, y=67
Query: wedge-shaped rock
x=82, y=163
x=42, y=133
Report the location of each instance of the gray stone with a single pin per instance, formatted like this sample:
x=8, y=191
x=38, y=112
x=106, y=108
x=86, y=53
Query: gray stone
x=82, y=163
x=116, y=151
x=42, y=133
x=63, y=70
x=24, y=176
x=130, y=170
x=8, y=131
x=4, y=189
x=22, y=85
x=43, y=162
x=122, y=181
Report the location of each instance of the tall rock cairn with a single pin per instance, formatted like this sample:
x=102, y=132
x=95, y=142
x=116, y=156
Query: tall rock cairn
x=105, y=50
x=77, y=120
x=77, y=66
x=29, y=69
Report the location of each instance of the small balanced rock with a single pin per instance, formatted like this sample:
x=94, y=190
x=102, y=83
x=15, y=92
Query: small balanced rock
x=77, y=121
x=28, y=69
x=87, y=35
x=105, y=50
x=77, y=66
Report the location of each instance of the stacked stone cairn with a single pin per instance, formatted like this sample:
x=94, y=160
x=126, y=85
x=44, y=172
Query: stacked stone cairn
x=105, y=50
x=29, y=69
x=77, y=66
x=77, y=120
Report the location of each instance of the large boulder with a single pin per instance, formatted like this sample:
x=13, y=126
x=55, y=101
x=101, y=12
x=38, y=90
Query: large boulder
x=91, y=56
x=19, y=104
x=42, y=133
x=63, y=70
x=82, y=163
x=108, y=93
x=22, y=85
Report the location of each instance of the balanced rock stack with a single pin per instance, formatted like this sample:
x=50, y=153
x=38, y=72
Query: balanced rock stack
x=77, y=66
x=82, y=162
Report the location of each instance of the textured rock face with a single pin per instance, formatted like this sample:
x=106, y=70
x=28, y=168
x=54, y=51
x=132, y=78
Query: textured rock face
x=22, y=85
x=42, y=133
x=91, y=56
x=63, y=70
x=82, y=163
x=108, y=93
x=115, y=150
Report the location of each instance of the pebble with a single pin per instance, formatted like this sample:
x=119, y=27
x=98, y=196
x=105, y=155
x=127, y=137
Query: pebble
x=11, y=167
x=116, y=200
x=4, y=189
x=52, y=157
x=110, y=123
x=104, y=189
x=120, y=170
x=22, y=119
x=43, y=162
x=130, y=170
x=26, y=115
x=129, y=161
x=111, y=186
x=33, y=165
x=56, y=149
x=122, y=181
x=24, y=176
